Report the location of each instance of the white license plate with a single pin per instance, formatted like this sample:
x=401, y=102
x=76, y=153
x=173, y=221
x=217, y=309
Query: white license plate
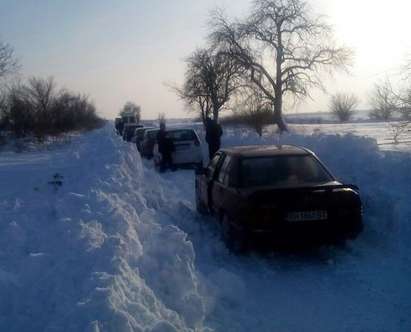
x=307, y=216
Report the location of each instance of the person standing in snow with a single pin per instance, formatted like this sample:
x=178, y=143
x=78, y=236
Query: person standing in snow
x=165, y=147
x=213, y=136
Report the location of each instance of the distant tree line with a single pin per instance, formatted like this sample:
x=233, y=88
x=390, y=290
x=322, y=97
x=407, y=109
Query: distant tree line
x=386, y=103
x=37, y=108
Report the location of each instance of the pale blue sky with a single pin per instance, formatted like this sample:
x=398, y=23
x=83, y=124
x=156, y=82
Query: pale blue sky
x=126, y=50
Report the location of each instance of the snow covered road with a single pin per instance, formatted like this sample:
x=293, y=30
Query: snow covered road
x=118, y=247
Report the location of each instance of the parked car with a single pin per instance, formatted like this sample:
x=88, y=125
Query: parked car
x=139, y=136
x=128, y=130
x=187, y=149
x=147, y=145
x=281, y=194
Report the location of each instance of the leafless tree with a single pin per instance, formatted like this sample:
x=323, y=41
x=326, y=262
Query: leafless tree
x=41, y=93
x=8, y=62
x=283, y=46
x=398, y=129
x=383, y=101
x=210, y=80
x=342, y=106
x=253, y=108
x=405, y=104
x=131, y=109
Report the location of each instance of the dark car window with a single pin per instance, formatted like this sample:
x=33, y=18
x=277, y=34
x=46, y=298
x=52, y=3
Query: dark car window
x=223, y=170
x=182, y=135
x=282, y=170
x=151, y=134
x=140, y=133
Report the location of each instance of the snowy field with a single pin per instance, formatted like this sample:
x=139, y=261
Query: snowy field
x=93, y=239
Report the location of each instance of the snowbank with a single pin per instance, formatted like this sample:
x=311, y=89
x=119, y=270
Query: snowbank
x=91, y=254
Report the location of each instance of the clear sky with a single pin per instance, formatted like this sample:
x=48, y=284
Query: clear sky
x=120, y=50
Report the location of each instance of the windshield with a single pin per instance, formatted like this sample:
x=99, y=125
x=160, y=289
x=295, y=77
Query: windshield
x=282, y=171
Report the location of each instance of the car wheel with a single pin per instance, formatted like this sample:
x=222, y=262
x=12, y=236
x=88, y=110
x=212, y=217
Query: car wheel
x=234, y=238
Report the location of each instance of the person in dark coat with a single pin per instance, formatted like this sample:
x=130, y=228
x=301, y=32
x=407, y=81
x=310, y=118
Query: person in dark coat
x=166, y=148
x=213, y=136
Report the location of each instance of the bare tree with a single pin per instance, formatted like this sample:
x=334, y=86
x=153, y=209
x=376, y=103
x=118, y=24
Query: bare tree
x=398, y=129
x=283, y=47
x=342, y=106
x=210, y=80
x=405, y=104
x=383, y=101
x=8, y=62
x=253, y=108
x=41, y=93
x=132, y=110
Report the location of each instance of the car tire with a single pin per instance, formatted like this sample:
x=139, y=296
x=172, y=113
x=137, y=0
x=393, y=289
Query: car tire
x=234, y=238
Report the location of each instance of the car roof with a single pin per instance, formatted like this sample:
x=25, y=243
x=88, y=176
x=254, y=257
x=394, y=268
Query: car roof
x=266, y=150
x=145, y=128
x=133, y=124
x=178, y=129
x=151, y=130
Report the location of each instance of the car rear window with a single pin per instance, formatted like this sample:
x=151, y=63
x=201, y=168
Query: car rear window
x=282, y=171
x=182, y=135
x=151, y=134
x=140, y=132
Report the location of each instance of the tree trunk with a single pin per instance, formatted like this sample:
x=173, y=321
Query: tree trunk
x=278, y=89
x=278, y=105
x=216, y=112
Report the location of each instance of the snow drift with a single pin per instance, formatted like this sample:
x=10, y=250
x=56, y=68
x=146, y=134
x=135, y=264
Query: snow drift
x=91, y=254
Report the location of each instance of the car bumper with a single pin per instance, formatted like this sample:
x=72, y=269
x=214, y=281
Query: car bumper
x=303, y=232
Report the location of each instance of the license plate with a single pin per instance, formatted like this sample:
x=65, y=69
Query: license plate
x=307, y=216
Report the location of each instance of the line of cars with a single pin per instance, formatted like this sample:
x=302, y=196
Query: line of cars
x=185, y=141
x=283, y=194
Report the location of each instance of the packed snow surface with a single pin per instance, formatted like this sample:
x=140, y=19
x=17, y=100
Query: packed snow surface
x=93, y=239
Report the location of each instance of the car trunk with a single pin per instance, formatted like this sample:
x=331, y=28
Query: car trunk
x=307, y=208
x=185, y=152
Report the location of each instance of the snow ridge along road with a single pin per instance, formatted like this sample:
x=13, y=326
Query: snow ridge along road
x=92, y=254
x=93, y=239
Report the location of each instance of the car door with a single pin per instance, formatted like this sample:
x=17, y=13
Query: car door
x=206, y=182
x=220, y=185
